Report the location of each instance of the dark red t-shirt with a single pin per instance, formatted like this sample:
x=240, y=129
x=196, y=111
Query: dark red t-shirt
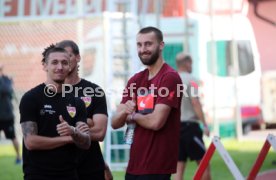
x=155, y=152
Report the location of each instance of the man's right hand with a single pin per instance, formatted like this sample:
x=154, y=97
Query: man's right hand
x=129, y=107
x=123, y=111
x=64, y=129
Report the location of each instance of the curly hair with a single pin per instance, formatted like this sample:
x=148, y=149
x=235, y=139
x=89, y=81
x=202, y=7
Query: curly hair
x=50, y=49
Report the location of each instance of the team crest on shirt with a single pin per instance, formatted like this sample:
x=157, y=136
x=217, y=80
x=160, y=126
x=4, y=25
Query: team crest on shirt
x=87, y=100
x=71, y=110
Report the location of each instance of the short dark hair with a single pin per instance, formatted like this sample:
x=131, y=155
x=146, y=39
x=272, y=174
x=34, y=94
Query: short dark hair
x=183, y=58
x=69, y=43
x=156, y=31
x=50, y=49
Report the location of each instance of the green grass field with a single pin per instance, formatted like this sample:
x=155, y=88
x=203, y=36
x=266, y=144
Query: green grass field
x=243, y=153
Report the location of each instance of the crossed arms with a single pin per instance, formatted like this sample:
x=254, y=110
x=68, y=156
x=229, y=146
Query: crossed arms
x=153, y=121
x=68, y=134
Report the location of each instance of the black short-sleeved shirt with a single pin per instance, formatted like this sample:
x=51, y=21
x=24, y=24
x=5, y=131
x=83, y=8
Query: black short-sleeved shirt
x=91, y=160
x=37, y=107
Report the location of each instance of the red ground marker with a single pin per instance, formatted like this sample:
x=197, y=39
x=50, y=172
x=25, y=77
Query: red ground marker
x=270, y=141
x=216, y=145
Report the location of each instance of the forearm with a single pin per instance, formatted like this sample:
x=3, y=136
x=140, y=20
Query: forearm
x=97, y=126
x=155, y=120
x=145, y=121
x=118, y=120
x=33, y=141
x=97, y=134
x=36, y=142
x=198, y=110
x=82, y=140
x=199, y=113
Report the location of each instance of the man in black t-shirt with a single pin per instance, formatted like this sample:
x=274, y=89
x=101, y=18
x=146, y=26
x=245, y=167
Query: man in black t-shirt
x=53, y=123
x=90, y=162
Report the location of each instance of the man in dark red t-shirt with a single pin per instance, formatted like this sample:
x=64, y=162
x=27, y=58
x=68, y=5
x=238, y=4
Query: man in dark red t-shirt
x=151, y=101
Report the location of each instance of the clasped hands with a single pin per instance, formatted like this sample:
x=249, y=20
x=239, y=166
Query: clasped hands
x=64, y=129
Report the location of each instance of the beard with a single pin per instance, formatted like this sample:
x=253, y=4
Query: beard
x=59, y=81
x=151, y=60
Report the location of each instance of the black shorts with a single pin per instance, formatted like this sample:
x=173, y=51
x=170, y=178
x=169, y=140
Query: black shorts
x=99, y=175
x=53, y=177
x=8, y=128
x=191, y=144
x=148, y=177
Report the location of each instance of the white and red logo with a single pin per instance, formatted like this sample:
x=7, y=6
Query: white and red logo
x=145, y=102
